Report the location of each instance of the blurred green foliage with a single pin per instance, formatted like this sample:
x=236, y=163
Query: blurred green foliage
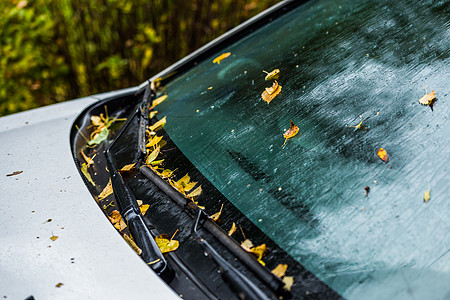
x=55, y=50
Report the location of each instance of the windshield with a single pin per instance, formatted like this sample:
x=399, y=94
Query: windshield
x=358, y=223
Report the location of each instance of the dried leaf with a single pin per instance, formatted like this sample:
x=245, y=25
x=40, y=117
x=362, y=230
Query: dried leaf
x=127, y=168
x=221, y=57
x=60, y=284
x=120, y=225
x=100, y=137
x=88, y=159
x=233, y=229
x=217, y=216
x=272, y=75
x=54, y=237
x=382, y=154
x=167, y=173
x=14, y=173
x=152, y=156
x=132, y=244
x=428, y=99
x=291, y=132
x=166, y=243
x=247, y=245
x=426, y=196
x=96, y=121
x=144, y=208
x=154, y=141
x=195, y=192
x=116, y=220
x=158, y=101
x=288, y=282
x=259, y=251
x=108, y=190
x=359, y=126
x=158, y=124
x=280, y=270
x=86, y=174
x=271, y=92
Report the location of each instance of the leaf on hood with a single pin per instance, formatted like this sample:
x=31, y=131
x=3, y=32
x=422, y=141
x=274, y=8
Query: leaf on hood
x=154, y=141
x=108, y=190
x=54, y=237
x=217, y=216
x=158, y=101
x=271, y=92
x=221, y=57
x=127, y=168
x=259, y=251
x=132, y=244
x=99, y=137
x=88, y=159
x=152, y=156
x=382, y=154
x=291, y=132
x=280, y=270
x=159, y=124
x=428, y=99
x=272, y=75
x=288, y=282
x=166, y=243
x=426, y=196
x=232, y=229
x=84, y=170
x=195, y=192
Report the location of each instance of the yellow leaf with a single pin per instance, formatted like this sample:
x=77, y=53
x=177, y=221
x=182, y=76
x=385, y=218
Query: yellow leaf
x=154, y=141
x=166, y=243
x=247, y=245
x=272, y=75
x=217, y=216
x=271, y=92
x=96, y=121
x=233, y=229
x=288, y=282
x=54, y=237
x=280, y=270
x=426, y=196
x=120, y=225
x=291, y=132
x=152, y=114
x=167, y=173
x=158, y=124
x=158, y=101
x=221, y=57
x=116, y=219
x=259, y=251
x=127, y=168
x=108, y=190
x=359, y=126
x=132, y=244
x=189, y=186
x=428, y=99
x=157, y=162
x=195, y=192
x=89, y=160
x=152, y=156
x=144, y=208
x=382, y=154
x=85, y=172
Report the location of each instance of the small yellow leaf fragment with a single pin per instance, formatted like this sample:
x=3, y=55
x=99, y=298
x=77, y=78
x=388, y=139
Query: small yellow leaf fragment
x=152, y=114
x=233, y=229
x=158, y=101
x=127, y=168
x=288, y=282
x=247, y=245
x=88, y=159
x=271, y=92
x=195, y=192
x=152, y=156
x=54, y=237
x=144, y=208
x=259, y=251
x=382, y=154
x=291, y=132
x=60, y=284
x=153, y=262
x=84, y=170
x=132, y=244
x=154, y=141
x=221, y=57
x=428, y=99
x=159, y=124
x=166, y=243
x=280, y=270
x=275, y=74
x=426, y=196
x=217, y=216
x=108, y=190
x=189, y=186
x=359, y=126
x=116, y=220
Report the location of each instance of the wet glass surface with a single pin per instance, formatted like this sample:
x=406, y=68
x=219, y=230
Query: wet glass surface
x=339, y=61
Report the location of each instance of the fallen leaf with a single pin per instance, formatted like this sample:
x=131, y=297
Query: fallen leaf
x=86, y=174
x=158, y=101
x=382, y=154
x=152, y=156
x=144, y=208
x=100, y=137
x=428, y=99
x=58, y=285
x=189, y=186
x=271, y=92
x=88, y=159
x=127, y=168
x=359, y=126
x=96, y=121
x=217, y=216
x=272, y=75
x=152, y=114
x=221, y=57
x=233, y=229
x=154, y=141
x=195, y=192
x=54, y=237
x=114, y=217
x=132, y=244
x=108, y=190
x=288, y=282
x=167, y=173
x=166, y=243
x=247, y=245
x=426, y=196
x=157, y=162
x=120, y=225
x=280, y=270
x=14, y=173
x=291, y=132
x=259, y=251
x=158, y=124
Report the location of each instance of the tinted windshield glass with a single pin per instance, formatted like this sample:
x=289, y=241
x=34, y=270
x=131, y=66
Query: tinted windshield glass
x=339, y=61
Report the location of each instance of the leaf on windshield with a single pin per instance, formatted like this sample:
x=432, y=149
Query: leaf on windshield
x=152, y=114
x=426, y=196
x=195, y=192
x=382, y=154
x=99, y=137
x=275, y=74
x=280, y=270
x=158, y=101
x=259, y=251
x=154, y=141
x=127, y=168
x=221, y=57
x=166, y=243
x=291, y=132
x=428, y=99
x=116, y=219
x=152, y=156
x=271, y=92
x=88, y=159
x=108, y=190
x=158, y=125
x=233, y=229
x=217, y=216
x=132, y=244
x=84, y=170
x=288, y=282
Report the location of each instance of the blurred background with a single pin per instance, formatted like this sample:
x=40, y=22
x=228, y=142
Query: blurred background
x=57, y=50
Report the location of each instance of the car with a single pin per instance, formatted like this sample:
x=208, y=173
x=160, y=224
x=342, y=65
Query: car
x=304, y=154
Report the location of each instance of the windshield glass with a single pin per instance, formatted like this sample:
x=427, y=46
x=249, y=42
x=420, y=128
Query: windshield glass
x=358, y=223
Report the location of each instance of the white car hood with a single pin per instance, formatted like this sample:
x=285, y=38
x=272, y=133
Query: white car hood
x=89, y=257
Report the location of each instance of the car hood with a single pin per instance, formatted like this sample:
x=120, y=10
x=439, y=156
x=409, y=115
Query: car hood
x=47, y=198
